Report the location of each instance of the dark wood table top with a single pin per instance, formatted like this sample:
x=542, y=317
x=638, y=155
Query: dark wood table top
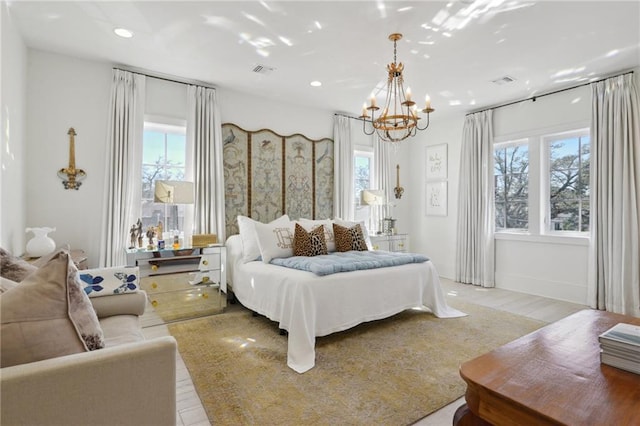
x=554, y=376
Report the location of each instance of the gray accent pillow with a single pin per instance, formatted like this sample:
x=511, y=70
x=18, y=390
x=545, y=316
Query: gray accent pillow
x=14, y=268
x=47, y=315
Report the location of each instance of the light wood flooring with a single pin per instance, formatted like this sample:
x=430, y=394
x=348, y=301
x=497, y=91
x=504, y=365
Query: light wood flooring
x=190, y=411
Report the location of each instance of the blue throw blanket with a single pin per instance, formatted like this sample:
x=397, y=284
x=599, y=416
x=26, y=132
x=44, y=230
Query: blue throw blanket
x=348, y=261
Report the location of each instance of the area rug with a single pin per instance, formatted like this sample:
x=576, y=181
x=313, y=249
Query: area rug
x=387, y=372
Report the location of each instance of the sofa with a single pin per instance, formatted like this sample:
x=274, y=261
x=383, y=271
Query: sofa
x=126, y=380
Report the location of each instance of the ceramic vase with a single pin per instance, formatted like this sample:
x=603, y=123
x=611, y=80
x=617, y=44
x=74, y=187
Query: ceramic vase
x=41, y=244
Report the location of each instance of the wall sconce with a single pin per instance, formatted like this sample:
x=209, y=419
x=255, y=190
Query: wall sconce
x=71, y=177
x=398, y=190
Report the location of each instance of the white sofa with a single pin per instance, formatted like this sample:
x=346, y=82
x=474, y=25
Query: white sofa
x=131, y=381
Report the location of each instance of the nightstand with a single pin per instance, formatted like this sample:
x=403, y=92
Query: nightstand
x=183, y=283
x=396, y=243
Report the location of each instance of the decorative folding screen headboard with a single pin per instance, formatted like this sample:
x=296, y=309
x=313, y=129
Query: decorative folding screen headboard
x=267, y=175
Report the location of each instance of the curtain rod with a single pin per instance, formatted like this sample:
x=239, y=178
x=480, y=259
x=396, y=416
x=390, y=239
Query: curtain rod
x=165, y=77
x=533, y=98
x=348, y=116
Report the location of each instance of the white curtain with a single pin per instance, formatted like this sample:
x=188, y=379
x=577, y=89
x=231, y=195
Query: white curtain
x=123, y=181
x=204, y=134
x=382, y=178
x=343, y=192
x=614, y=256
x=475, y=258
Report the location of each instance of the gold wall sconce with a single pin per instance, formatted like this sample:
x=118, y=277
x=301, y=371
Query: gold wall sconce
x=398, y=190
x=71, y=177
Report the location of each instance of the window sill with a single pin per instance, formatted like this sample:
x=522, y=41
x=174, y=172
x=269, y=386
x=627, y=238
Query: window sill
x=574, y=240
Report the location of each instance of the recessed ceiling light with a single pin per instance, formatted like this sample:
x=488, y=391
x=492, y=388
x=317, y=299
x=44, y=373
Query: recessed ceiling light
x=316, y=83
x=123, y=32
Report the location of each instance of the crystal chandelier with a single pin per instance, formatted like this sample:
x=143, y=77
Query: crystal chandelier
x=399, y=117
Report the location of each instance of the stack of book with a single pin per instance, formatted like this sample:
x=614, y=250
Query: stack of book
x=620, y=347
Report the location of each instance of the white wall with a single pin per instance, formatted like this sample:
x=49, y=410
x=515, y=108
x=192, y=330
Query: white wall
x=12, y=136
x=254, y=113
x=541, y=265
x=530, y=264
x=435, y=236
x=65, y=92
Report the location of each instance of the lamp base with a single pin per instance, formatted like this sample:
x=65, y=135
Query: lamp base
x=388, y=226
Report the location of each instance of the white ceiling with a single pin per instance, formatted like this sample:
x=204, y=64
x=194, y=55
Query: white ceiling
x=451, y=50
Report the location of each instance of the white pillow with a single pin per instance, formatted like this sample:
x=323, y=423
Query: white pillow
x=250, y=247
x=349, y=224
x=310, y=225
x=275, y=240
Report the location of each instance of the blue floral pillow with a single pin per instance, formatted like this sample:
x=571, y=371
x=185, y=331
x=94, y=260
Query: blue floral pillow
x=108, y=281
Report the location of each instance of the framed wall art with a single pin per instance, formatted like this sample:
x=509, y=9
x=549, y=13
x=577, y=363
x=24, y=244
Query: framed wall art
x=436, y=198
x=436, y=162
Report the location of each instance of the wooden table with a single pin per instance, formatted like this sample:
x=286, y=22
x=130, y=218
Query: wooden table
x=552, y=376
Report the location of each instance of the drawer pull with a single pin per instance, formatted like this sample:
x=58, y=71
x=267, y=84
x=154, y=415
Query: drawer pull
x=205, y=262
x=376, y=247
x=205, y=296
x=154, y=267
x=401, y=245
x=154, y=285
x=205, y=279
x=154, y=303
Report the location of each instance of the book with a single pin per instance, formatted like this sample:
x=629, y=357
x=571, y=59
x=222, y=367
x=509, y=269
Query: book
x=622, y=363
x=620, y=352
x=622, y=335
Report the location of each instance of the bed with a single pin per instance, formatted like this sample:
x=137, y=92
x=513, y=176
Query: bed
x=308, y=306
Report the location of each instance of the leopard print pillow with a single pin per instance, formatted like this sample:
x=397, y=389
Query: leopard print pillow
x=349, y=238
x=310, y=243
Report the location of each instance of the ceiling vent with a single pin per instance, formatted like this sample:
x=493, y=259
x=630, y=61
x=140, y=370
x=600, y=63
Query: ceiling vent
x=503, y=80
x=263, y=69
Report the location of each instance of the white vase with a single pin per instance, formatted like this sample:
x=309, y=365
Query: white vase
x=41, y=244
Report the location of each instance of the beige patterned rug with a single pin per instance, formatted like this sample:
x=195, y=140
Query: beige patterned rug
x=388, y=372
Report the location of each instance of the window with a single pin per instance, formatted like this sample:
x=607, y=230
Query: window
x=362, y=173
x=569, y=156
x=511, y=185
x=163, y=158
x=541, y=183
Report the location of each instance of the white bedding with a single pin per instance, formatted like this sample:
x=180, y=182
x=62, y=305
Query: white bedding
x=307, y=305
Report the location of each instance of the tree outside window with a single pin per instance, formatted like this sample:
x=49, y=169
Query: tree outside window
x=569, y=159
x=511, y=186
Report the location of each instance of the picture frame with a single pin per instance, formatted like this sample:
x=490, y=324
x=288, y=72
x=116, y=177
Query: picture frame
x=436, y=162
x=436, y=198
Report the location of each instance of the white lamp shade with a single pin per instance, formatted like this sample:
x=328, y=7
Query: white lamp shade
x=173, y=192
x=373, y=197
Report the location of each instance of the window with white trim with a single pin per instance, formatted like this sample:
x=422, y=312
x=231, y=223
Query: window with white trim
x=511, y=185
x=163, y=158
x=362, y=173
x=541, y=184
x=568, y=157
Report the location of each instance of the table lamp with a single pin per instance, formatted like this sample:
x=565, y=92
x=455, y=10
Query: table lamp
x=373, y=197
x=174, y=192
